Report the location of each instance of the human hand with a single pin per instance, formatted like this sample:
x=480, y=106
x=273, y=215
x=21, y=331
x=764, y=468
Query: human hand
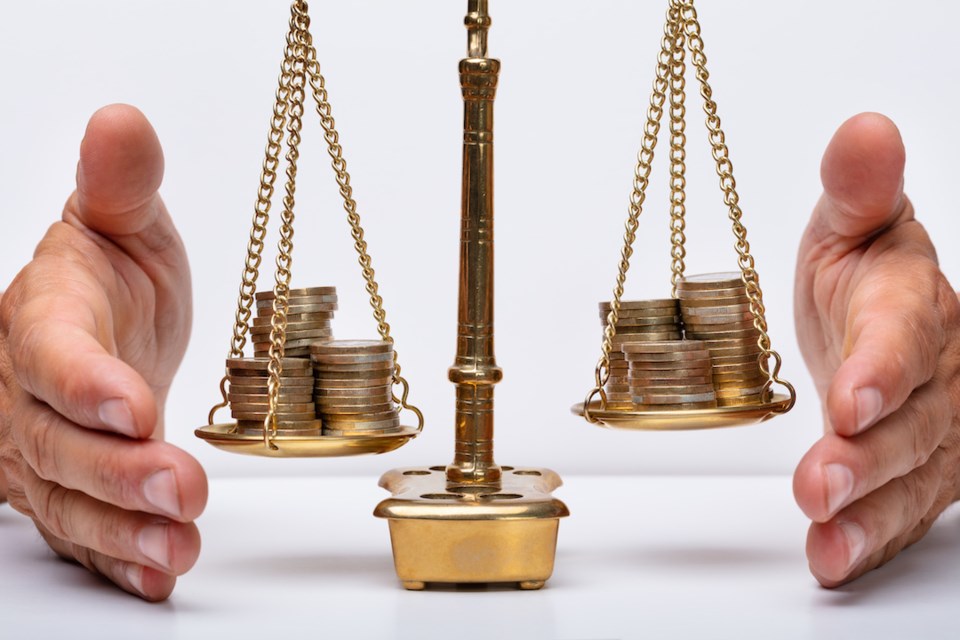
x=879, y=327
x=92, y=331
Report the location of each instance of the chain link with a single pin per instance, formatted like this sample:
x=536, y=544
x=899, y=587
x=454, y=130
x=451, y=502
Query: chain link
x=682, y=30
x=641, y=178
x=678, y=154
x=299, y=67
x=721, y=155
x=339, y=164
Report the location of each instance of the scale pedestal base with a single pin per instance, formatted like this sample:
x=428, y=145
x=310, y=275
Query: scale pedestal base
x=443, y=534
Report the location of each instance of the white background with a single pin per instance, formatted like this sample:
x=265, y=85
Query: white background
x=574, y=87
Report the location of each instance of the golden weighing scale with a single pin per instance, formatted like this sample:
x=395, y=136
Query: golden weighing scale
x=474, y=521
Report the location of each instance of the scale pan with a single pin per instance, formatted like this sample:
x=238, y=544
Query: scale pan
x=624, y=417
x=313, y=446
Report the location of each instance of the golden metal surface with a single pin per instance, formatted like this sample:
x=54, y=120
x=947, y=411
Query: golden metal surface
x=682, y=29
x=299, y=68
x=474, y=521
x=475, y=369
x=223, y=437
x=628, y=417
x=472, y=534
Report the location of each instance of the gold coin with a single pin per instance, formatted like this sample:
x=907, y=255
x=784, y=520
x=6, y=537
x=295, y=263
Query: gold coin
x=648, y=313
x=335, y=367
x=662, y=346
x=740, y=402
x=683, y=406
x=267, y=319
x=310, y=336
x=720, y=309
x=350, y=358
x=661, y=390
x=623, y=338
x=656, y=321
x=299, y=301
x=330, y=408
x=713, y=299
x=702, y=281
x=676, y=356
x=713, y=328
x=299, y=293
x=694, y=295
x=261, y=414
x=679, y=398
x=362, y=392
x=265, y=329
x=707, y=336
x=301, y=309
x=354, y=383
x=661, y=303
x=366, y=347
x=670, y=382
x=669, y=365
x=262, y=364
x=264, y=399
x=335, y=433
x=287, y=408
x=726, y=394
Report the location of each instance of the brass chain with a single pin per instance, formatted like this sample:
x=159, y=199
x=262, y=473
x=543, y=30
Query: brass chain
x=339, y=164
x=278, y=322
x=261, y=217
x=682, y=29
x=721, y=155
x=678, y=156
x=641, y=178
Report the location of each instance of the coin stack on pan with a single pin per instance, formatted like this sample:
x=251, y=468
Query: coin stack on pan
x=670, y=374
x=638, y=321
x=249, y=399
x=353, y=387
x=716, y=310
x=309, y=313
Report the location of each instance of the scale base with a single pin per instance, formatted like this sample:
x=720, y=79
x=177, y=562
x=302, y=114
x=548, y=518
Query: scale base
x=460, y=535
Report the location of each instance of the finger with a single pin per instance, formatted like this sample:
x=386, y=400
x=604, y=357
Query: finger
x=839, y=470
x=895, y=332
x=145, y=582
x=862, y=175
x=145, y=475
x=169, y=547
x=853, y=542
x=59, y=331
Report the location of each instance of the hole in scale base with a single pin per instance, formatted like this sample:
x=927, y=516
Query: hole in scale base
x=500, y=496
x=442, y=496
x=416, y=472
x=438, y=468
x=527, y=472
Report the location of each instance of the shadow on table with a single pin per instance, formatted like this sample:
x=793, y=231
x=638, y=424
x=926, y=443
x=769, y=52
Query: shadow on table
x=346, y=567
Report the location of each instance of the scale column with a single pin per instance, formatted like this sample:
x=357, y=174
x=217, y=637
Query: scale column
x=475, y=371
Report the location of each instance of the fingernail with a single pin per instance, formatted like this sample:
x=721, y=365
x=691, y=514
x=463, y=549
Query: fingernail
x=160, y=490
x=153, y=544
x=839, y=485
x=856, y=541
x=134, y=573
x=116, y=414
x=869, y=405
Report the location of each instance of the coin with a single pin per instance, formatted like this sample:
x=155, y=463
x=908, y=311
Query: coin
x=669, y=303
x=267, y=303
x=677, y=356
x=318, y=317
x=368, y=421
x=335, y=433
x=699, y=282
x=337, y=347
x=351, y=358
x=645, y=313
x=622, y=338
x=264, y=399
x=669, y=346
x=643, y=321
x=674, y=399
x=662, y=390
x=355, y=383
x=670, y=382
x=259, y=406
x=261, y=364
x=363, y=392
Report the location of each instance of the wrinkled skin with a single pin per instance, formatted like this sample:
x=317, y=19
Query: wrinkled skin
x=879, y=327
x=92, y=331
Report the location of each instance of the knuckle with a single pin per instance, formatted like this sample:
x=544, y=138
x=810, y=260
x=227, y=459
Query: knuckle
x=37, y=439
x=52, y=504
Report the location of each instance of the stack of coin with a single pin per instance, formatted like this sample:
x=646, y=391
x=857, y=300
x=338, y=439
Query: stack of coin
x=308, y=319
x=716, y=310
x=670, y=374
x=353, y=387
x=638, y=321
x=249, y=400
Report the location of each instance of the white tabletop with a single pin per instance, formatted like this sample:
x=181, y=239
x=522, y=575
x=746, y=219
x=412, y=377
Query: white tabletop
x=640, y=557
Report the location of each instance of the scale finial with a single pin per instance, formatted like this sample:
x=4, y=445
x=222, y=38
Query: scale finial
x=477, y=23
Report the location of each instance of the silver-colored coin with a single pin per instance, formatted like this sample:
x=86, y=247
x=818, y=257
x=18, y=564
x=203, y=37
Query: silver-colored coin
x=286, y=408
x=298, y=309
x=714, y=299
x=358, y=347
x=693, y=295
x=292, y=327
x=647, y=313
x=670, y=382
x=327, y=411
x=719, y=310
x=290, y=343
x=281, y=417
x=704, y=327
x=310, y=336
x=706, y=336
x=702, y=281
x=646, y=321
x=673, y=399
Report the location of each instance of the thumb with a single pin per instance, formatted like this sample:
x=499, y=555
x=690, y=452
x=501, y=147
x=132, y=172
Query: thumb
x=862, y=175
x=120, y=170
